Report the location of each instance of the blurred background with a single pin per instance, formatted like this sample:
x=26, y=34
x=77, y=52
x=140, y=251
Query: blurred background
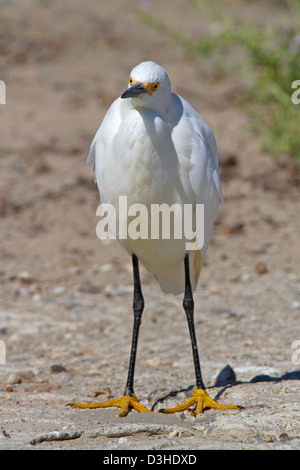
x=65, y=296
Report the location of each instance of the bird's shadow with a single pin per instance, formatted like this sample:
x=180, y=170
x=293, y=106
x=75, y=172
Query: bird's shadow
x=231, y=381
x=227, y=379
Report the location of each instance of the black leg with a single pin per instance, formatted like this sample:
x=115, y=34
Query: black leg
x=188, y=305
x=128, y=400
x=138, y=307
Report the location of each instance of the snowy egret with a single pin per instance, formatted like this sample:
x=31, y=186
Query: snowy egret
x=154, y=148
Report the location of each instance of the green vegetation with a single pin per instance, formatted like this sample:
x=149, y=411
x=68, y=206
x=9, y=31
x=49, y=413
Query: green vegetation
x=269, y=63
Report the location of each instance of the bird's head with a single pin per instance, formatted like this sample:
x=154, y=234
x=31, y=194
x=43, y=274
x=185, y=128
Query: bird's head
x=149, y=86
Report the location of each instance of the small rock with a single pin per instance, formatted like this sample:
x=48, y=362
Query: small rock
x=104, y=268
x=268, y=438
x=122, y=440
x=57, y=368
x=56, y=436
x=284, y=437
x=37, y=388
x=234, y=229
x=225, y=377
x=42, y=167
x=120, y=290
x=90, y=288
x=153, y=362
x=174, y=433
x=104, y=393
x=245, y=277
x=23, y=292
x=261, y=268
x=228, y=159
x=59, y=289
x=21, y=377
x=25, y=277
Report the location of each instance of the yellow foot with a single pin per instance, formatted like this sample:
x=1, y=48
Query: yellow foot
x=203, y=401
x=125, y=403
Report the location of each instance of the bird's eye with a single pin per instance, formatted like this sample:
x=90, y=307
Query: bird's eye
x=130, y=81
x=155, y=86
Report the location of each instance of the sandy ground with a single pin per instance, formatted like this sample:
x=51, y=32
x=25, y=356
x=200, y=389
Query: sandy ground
x=65, y=313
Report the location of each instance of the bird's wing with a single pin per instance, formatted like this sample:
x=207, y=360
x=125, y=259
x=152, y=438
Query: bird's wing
x=102, y=140
x=200, y=151
x=204, y=152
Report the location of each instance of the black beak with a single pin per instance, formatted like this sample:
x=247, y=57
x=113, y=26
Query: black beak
x=134, y=91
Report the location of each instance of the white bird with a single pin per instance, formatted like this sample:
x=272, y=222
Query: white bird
x=154, y=148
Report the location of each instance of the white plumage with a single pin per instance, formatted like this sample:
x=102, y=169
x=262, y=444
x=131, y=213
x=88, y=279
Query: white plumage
x=155, y=148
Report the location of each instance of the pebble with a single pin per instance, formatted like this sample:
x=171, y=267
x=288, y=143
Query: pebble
x=90, y=288
x=234, y=229
x=21, y=377
x=59, y=290
x=56, y=368
x=225, y=377
x=56, y=436
x=174, y=433
x=104, y=268
x=23, y=292
x=228, y=159
x=25, y=277
x=120, y=290
x=104, y=393
x=261, y=268
x=122, y=440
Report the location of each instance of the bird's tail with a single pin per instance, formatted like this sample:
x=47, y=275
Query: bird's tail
x=172, y=280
